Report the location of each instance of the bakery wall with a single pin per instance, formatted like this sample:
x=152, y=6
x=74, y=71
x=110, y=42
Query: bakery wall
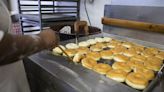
x=139, y=2
x=95, y=11
x=151, y=11
x=98, y=4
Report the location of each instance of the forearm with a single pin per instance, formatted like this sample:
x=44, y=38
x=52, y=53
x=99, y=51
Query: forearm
x=16, y=47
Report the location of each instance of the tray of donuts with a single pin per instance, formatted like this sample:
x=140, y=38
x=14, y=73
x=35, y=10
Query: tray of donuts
x=126, y=62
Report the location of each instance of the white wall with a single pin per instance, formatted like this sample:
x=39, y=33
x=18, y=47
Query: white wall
x=95, y=10
x=139, y=2
x=14, y=6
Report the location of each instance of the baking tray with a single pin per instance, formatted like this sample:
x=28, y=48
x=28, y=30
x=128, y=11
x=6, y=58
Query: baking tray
x=152, y=83
x=83, y=79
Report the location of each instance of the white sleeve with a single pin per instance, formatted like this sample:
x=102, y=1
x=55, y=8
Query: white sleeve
x=1, y=35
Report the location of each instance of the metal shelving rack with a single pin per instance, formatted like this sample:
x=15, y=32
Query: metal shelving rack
x=35, y=15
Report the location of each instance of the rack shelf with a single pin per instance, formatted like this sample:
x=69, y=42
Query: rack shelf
x=46, y=13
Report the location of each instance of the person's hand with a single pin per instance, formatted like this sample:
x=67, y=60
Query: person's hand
x=50, y=38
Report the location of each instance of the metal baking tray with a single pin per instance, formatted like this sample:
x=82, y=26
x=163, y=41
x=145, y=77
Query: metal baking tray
x=85, y=80
x=152, y=83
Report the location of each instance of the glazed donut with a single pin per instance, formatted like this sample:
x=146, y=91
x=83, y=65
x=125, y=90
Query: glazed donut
x=102, y=45
x=147, y=54
x=71, y=46
x=106, y=54
x=118, y=50
x=112, y=45
x=117, y=75
x=99, y=39
x=121, y=65
x=84, y=44
x=94, y=55
x=160, y=55
x=77, y=58
x=148, y=74
x=152, y=50
x=116, y=41
x=138, y=48
x=102, y=68
x=107, y=39
x=89, y=63
x=155, y=66
x=91, y=41
x=82, y=50
x=127, y=44
x=155, y=60
x=136, y=80
x=57, y=50
x=96, y=48
x=135, y=64
x=139, y=58
x=121, y=58
x=70, y=52
x=133, y=49
x=129, y=53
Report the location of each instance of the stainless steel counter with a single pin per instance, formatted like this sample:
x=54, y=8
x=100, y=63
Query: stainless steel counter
x=82, y=79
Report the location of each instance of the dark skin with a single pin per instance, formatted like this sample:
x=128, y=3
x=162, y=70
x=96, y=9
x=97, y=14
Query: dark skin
x=15, y=47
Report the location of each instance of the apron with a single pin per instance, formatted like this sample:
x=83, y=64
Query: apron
x=12, y=76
